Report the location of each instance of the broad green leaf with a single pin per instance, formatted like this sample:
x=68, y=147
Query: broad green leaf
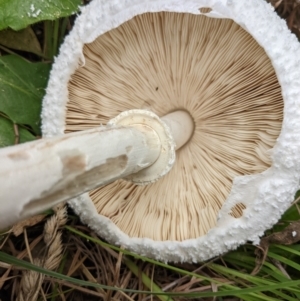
x=7, y=133
x=18, y=14
x=24, y=40
x=22, y=87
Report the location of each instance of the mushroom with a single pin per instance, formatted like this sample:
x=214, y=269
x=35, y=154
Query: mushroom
x=232, y=74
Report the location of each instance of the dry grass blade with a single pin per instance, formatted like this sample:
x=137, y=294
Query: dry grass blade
x=31, y=282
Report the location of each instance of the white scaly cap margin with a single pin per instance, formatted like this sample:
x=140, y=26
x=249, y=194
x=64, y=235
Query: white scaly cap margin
x=266, y=195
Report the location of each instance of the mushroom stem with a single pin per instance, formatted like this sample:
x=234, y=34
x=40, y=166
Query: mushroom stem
x=38, y=175
x=181, y=125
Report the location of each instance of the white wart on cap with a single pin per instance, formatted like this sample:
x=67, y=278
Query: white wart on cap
x=219, y=74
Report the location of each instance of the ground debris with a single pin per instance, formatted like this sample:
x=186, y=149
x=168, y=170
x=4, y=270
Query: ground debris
x=290, y=235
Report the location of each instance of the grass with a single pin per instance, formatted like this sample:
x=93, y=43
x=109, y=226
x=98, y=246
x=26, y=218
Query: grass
x=91, y=269
x=94, y=269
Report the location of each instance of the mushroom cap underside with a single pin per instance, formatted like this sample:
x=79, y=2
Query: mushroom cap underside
x=213, y=69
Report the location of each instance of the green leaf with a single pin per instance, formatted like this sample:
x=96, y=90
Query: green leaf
x=24, y=40
x=22, y=87
x=18, y=14
x=7, y=133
